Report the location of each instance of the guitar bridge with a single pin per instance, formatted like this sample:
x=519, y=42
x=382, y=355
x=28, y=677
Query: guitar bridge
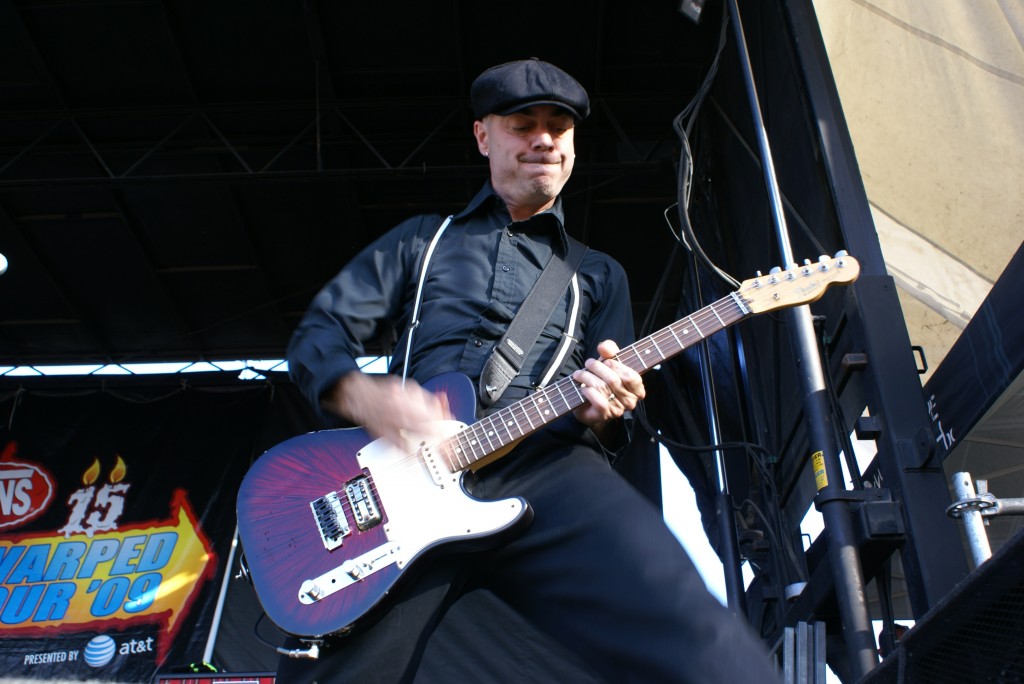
x=329, y=511
x=330, y=519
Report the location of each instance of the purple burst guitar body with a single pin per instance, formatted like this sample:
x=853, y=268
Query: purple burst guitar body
x=332, y=522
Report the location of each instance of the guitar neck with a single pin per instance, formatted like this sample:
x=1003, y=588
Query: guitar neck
x=515, y=421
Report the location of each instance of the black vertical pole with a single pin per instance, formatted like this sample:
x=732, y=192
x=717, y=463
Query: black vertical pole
x=728, y=545
x=831, y=500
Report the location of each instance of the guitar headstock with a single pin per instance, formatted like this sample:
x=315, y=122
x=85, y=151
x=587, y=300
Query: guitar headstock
x=798, y=284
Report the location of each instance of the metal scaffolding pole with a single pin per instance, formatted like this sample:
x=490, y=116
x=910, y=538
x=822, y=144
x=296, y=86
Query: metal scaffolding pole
x=728, y=544
x=832, y=499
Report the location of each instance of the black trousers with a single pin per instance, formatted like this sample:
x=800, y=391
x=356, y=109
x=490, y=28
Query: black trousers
x=597, y=571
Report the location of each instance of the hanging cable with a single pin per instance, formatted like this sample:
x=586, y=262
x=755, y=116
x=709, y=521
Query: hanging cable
x=683, y=125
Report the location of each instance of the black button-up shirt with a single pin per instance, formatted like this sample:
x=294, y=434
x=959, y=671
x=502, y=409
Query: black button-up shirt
x=481, y=271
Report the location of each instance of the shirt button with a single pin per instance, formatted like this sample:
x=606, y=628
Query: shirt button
x=508, y=232
x=506, y=269
x=478, y=343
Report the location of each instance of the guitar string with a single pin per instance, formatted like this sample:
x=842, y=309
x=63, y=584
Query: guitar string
x=666, y=343
x=473, y=437
x=539, y=404
x=479, y=439
x=484, y=437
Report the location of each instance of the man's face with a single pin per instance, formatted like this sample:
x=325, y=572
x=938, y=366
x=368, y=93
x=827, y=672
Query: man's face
x=531, y=156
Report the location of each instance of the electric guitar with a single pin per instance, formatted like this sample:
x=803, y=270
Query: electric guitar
x=332, y=522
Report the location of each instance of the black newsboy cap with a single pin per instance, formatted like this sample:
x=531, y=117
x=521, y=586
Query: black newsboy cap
x=513, y=86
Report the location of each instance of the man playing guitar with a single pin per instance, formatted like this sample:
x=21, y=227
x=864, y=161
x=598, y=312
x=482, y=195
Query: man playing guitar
x=596, y=569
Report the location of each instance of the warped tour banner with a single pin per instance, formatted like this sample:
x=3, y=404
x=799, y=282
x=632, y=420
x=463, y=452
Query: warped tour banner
x=116, y=521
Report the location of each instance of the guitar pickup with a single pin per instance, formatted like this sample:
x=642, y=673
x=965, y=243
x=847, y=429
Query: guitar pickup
x=364, y=504
x=329, y=511
x=329, y=515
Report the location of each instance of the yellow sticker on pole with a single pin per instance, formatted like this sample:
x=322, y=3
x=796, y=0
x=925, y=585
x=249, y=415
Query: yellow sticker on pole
x=820, y=476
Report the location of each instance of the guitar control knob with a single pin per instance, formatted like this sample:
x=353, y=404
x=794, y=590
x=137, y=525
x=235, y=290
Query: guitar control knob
x=352, y=569
x=313, y=591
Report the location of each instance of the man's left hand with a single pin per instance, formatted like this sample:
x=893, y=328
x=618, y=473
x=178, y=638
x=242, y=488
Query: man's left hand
x=610, y=387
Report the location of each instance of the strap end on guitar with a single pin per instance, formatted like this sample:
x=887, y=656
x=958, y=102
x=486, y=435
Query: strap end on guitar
x=311, y=653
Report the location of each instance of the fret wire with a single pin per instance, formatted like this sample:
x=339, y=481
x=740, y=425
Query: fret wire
x=640, y=358
x=445, y=448
x=546, y=396
x=659, y=353
x=695, y=326
x=575, y=397
x=482, y=435
x=472, y=447
x=545, y=408
x=496, y=427
x=708, y=318
x=553, y=396
x=729, y=307
x=657, y=348
x=499, y=418
x=474, y=442
x=460, y=449
x=679, y=343
x=491, y=432
x=526, y=412
x=530, y=407
x=521, y=412
x=561, y=395
x=540, y=407
x=672, y=329
x=714, y=310
x=501, y=423
x=535, y=410
x=636, y=356
x=623, y=354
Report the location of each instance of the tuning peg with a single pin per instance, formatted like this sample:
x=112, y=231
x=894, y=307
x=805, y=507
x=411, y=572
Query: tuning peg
x=824, y=257
x=774, y=270
x=842, y=253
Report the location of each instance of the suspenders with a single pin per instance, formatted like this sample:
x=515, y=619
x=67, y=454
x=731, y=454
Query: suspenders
x=415, y=321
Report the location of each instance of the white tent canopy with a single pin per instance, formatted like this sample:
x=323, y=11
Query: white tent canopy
x=933, y=94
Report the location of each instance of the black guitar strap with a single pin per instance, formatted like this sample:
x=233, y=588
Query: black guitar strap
x=506, y=361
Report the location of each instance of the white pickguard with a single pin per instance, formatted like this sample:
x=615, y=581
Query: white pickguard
x=422, y=508
x=420, y=511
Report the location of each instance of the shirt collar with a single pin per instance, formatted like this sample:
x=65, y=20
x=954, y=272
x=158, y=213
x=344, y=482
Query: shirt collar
x=487, y=198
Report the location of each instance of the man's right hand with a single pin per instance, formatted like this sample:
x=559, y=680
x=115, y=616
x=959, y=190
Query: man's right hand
x=385, y=407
